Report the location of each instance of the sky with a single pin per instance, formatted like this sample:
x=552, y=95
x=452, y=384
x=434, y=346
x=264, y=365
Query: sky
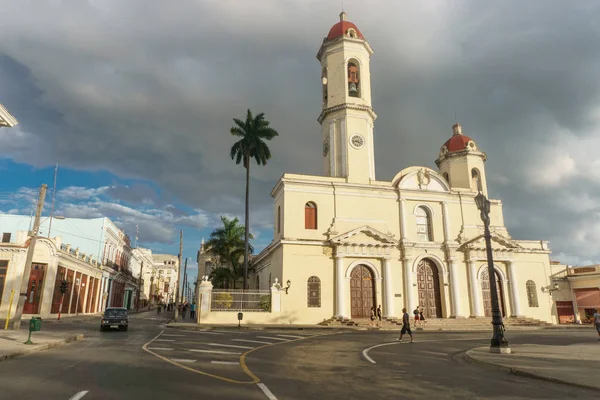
x=134, y=99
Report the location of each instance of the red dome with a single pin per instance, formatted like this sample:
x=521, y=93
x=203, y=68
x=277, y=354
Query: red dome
x=458, y=141
x=341, y=27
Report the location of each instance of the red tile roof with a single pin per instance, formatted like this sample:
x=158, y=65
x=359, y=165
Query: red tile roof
x=340, y=29
x=457, y=143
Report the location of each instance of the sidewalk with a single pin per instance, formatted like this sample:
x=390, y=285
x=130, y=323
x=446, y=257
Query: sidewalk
x=191, y=326
x=576, y=364
x=12, y=342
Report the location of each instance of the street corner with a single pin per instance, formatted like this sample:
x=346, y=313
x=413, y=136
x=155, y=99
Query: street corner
x=14, y=346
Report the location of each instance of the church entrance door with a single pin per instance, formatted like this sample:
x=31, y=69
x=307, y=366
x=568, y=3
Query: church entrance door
x=428, y=282
x=487, y=294
x=362, y=292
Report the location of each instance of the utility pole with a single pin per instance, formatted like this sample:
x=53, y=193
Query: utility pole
x=53, y=197
x=29, y=259
x=178, y=275
x=184, y=280
x=140, y=287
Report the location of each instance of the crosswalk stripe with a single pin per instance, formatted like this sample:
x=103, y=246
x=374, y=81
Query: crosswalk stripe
x=272, y=338
x=182, y=360
x=229, y=345
x=164, y=340
x=251, y=341
x=215, y=352
x=160, y=348
x=226, y=362
x=170, y=334
x=292, y=336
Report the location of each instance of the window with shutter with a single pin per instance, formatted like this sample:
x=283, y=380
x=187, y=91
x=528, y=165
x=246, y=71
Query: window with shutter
x=310, y=215
x=314, y=292
x=423, y=225
x=532, y=299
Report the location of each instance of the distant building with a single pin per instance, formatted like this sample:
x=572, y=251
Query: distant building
x=163, y=278
x=575, y=291
x=88, y=253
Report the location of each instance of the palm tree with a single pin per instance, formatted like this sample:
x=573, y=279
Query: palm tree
x=227, y=242
x=253, y=132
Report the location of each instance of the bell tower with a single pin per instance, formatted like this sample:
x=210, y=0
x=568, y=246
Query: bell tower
x=346, y=115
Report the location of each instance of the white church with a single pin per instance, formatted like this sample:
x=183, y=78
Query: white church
x=346, y=241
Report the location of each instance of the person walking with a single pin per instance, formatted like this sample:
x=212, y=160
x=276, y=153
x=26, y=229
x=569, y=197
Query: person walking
x=421, y=317
x=193, y=311
x=379, y=314
x=372, y=317
x=416, y=314
x=405, y=326
x=597, y=321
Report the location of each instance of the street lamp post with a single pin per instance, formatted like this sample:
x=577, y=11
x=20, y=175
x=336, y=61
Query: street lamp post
x=499, y=343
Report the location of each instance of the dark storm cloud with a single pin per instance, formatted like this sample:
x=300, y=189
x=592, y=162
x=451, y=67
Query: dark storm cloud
x=148, y=90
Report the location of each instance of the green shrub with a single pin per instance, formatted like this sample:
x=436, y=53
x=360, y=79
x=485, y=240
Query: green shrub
x=223, y=300
x=265, y=303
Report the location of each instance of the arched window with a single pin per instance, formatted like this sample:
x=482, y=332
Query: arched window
x=475, y=180
x=446, y=177
x=278, y=219
x=532, y=299
x=314, y=291
x=310, y=215
x=424, y=224
x=353, y=79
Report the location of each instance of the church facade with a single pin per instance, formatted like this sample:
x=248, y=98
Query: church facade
x=346, y=241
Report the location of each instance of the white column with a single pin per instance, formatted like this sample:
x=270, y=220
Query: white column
x=275, y=299
x=446, y=222
x=514, y=290
x=408, y=285
x=340, y=287
x=475, y=292
x=388, y=296
x=403, y=219
x=454, y=289
x=205, y=295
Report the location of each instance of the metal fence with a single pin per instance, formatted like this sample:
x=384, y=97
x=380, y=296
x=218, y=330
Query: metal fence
x=238, y=300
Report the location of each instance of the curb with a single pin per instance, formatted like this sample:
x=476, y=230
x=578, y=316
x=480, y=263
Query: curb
x=255, y=328
x=515, y=371
x=42, y=347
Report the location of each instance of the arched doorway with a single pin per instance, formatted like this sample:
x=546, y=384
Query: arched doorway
x=487, y=295
x=428, y=282
x=362, y=292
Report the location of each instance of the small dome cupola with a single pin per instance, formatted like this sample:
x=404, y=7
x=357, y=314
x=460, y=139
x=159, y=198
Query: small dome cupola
x=461, y=162
x=458, y=141
x=344, y=28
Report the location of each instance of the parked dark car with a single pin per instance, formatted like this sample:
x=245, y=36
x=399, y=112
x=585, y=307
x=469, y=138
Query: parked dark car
x=115, y=317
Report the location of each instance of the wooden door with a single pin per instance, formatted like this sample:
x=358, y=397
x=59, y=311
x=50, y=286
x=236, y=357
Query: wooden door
x=428, y=282
x=34, y=289
x=487, y=294
x=564, y=309
x=362, y=292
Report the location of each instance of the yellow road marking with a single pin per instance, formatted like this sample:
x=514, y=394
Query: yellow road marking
x=245, y=368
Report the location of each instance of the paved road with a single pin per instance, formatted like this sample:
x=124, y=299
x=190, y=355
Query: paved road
x=153, y=362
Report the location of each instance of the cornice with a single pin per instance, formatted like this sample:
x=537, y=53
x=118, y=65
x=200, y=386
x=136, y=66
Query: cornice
x=347, y=106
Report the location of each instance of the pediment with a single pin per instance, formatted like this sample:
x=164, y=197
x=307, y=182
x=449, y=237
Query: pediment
x=499, y=242
x=365, y=235
x=420, y=178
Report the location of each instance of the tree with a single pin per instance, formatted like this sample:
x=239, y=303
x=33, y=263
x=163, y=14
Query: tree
x=227, y=242
x=220, y=277
x=253, y=132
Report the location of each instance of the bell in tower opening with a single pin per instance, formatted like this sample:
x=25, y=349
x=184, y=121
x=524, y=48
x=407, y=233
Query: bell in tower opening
x=353, y=80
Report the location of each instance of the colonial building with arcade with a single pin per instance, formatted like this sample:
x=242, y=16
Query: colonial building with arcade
x=346, y=241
